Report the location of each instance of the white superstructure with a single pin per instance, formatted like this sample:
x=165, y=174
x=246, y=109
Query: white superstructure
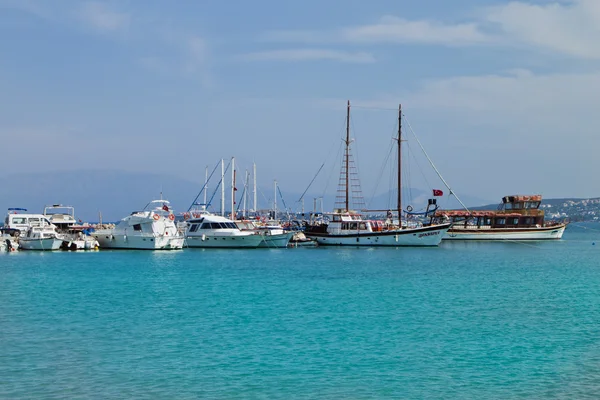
x=215, y=231
x=150, y=229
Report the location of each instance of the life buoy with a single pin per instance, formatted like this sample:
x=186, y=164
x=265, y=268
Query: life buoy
x=156, y=217
x=171, y=217
x=186, y=216
x=409, y=208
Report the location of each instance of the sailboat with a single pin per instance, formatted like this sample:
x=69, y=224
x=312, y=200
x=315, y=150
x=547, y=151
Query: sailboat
x=346, y=227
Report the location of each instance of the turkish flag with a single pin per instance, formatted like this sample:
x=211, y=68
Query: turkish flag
x=437, y=192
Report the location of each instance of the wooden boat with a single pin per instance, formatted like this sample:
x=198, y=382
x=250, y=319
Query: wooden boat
x=346, y=227
x=518, y=217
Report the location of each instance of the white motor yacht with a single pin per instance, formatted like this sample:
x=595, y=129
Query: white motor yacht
x=153, y=228
x=76, y=236
x=215, y=231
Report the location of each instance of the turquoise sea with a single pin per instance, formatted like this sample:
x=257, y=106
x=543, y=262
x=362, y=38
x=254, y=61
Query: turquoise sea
x=463, y=321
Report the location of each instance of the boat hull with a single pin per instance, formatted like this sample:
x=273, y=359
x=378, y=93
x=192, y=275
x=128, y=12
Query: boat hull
x=45, y=244
x=224, y=241
x=428, y=236
x=534, y=233
x=109, y=240
x=278, y=240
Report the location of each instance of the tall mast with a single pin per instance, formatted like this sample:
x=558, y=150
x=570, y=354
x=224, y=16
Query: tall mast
x=254, y=186
x=400, y=165
x=222, y=188
x=246, y=194
x=347, y=154
x=233, y=188
x=205, y=187
x=275, y=200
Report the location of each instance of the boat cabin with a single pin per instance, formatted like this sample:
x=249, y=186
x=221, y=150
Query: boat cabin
x=516, y=211
x=15, y=219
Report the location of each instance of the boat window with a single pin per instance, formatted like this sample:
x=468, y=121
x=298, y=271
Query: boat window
x=362, y=226
x=19, y=220
x=487, y=221
x=137, y=227
x=194, y=227
x=508, y=206
x=514, y=221
x=528, y=221
x=501, y=221
x=337, y=218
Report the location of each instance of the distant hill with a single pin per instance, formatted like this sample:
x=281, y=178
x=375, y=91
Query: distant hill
x=116, y=194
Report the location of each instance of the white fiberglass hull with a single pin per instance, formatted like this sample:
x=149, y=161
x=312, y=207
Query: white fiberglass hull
x=45, y=244
x=223, y=241
x=542, y=233
x=423, y=236
x=110, y=240
x=278, y=240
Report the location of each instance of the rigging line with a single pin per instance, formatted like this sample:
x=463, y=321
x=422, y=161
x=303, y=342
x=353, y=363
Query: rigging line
x=219, y=183
x=283, y=201
x=584, y=227
x=375, y=108
x=204, y=187
x=331, y=171
x=434, y=167
x=378, y=181
x=311, y=182
x=332, y=168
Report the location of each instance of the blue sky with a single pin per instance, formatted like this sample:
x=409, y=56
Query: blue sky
x=503, y=95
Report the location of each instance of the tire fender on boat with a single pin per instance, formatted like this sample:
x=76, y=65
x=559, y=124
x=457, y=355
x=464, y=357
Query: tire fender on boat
x=156, y=217
x=171, y=217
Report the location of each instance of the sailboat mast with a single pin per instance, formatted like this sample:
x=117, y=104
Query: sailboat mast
x=347, y=158
x=205, y=187
x=233, y=188
x=254, y=188
x=400, y=165
x=222, y=188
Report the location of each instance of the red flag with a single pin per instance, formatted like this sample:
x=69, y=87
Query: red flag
x=437, y=192
x=165, y=207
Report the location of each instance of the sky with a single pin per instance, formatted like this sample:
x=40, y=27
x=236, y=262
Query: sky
x=502, y=95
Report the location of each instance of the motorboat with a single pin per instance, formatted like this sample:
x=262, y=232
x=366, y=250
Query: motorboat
x=43, y=237
x=76, y=235
x=215, y=231
x=153, y=228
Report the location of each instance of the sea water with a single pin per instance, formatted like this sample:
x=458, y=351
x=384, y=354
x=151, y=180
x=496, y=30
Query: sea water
x=468, y=320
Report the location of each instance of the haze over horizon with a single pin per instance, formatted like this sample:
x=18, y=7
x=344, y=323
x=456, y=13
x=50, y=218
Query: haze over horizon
x=501, y=94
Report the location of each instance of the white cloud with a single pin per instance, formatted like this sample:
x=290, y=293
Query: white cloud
x=27, y=6
x=517, y=131
x=571, y=28
x=399, y=30
x=100, y=17
x=310, y=55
